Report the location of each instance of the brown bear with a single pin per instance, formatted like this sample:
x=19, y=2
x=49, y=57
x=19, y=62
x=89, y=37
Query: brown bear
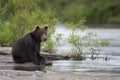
x=27, y=49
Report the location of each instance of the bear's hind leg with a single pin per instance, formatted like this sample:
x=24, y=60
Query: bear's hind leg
x=21, y=60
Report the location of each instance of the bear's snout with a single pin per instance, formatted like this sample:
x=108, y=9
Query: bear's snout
x=44, y=37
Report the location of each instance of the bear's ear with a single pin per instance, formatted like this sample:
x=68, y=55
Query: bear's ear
x=37, y=27
x=46, y=27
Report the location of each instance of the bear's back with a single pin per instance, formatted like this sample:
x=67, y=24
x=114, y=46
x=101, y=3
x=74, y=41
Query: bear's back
x=21, y=45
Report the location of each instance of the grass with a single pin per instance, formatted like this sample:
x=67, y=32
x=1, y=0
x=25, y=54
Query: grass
x=5, y=35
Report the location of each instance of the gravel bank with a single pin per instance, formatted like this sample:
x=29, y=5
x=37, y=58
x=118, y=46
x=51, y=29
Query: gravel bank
x=38, y=75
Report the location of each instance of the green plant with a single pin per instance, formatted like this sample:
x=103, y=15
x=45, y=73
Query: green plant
x=52, y=45
x=22, y=18
x=78, y=41
x=95, y=11
x=5, y=35
x=5, y=38
x=96, y=48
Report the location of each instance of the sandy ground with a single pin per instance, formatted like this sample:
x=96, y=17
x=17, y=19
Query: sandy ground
x=39, y=75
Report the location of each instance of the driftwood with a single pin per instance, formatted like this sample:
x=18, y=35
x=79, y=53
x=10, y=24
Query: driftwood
x=47, y=56
x=61, y=57
x=54, y=57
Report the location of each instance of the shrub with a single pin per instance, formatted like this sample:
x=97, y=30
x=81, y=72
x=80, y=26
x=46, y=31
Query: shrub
x=81, y=42
x=22, y=18
x=96, y=47
x=5, y=35
x=52, y=45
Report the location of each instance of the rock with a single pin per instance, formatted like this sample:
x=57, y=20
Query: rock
x=5, y=50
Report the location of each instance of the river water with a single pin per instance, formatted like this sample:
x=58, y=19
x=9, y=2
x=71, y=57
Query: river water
x=96, y=67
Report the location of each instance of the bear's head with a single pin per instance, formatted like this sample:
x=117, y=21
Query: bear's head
x=41, y=33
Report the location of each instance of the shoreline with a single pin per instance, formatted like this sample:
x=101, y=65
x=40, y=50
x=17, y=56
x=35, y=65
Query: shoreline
x=38, y=75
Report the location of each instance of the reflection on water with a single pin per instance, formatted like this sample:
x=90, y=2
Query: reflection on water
x=23, y=67
x=28, y=68
x=95, y=67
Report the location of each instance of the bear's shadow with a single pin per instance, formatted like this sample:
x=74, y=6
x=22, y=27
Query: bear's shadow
x=21, y=67
x=28, y=67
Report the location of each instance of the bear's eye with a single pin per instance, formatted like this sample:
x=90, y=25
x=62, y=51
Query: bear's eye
x=43, y=32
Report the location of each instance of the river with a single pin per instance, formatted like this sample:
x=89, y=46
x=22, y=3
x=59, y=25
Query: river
x=96, y=67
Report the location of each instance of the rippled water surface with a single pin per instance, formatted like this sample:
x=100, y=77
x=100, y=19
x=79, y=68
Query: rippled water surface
x=88, y=66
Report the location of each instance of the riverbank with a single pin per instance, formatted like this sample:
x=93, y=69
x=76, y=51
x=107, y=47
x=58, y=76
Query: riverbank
x=38, y=75
x=7, y=72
